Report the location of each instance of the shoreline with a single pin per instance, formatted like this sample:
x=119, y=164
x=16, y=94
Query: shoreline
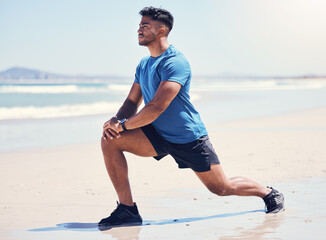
x=95, y=121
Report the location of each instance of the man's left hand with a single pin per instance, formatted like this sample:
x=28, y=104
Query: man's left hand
x=112, y=128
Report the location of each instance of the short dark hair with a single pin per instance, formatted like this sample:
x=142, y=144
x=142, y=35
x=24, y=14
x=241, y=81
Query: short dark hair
x=158, y=14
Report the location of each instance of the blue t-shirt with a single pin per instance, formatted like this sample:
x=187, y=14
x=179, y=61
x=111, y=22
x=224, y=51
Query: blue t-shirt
x=180, y=122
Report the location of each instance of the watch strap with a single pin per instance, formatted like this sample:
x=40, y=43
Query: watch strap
x=122, y=122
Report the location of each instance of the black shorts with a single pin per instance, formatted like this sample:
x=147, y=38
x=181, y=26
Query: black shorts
x=197, y=155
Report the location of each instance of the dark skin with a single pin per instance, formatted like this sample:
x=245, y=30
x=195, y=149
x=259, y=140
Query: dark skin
x=115, y=141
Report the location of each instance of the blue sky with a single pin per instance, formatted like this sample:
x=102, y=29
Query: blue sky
x=254, y=37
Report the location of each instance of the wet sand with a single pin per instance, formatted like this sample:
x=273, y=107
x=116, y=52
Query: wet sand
x=210, y=217
x=62, y=192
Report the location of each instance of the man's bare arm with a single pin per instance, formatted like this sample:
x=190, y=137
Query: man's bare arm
x=128, y=108
x=132, y=102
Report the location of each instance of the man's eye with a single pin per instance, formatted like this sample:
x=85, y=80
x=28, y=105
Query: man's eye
x=143, y=26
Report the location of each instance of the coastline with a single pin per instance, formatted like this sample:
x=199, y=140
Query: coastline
x=39, y=116
x=47, y=186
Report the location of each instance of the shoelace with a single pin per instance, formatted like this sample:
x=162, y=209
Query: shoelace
x=118, y=209
x=273, y=201
x=278, y=200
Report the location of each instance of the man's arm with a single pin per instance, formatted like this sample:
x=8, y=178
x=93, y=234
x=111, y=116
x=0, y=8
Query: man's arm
x=132, y=102
x=128, y=108
x=165, y=93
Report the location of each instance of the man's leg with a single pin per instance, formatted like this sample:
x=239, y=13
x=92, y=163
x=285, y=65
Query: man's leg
x=217, y=183
x=133, y=141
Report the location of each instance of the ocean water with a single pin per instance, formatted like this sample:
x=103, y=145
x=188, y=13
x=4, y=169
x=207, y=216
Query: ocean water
x=41, y=115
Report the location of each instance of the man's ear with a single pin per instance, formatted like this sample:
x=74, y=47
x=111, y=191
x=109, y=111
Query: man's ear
x=162, y=31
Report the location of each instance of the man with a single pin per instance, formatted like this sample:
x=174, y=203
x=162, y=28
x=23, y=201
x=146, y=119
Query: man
x=167, y=124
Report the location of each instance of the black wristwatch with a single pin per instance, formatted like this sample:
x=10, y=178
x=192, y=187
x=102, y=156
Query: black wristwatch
x=122, y=122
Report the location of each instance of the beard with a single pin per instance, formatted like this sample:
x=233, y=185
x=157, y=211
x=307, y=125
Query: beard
x=145, y=41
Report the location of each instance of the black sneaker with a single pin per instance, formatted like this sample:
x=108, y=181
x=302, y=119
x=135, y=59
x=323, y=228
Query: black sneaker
x=123, y=215
x=274, y=201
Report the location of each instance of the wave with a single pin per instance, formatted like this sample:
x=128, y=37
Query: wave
x=120, y=87
x=58, y=111
x=258, y=85
x=211, y=85
x=57, y=89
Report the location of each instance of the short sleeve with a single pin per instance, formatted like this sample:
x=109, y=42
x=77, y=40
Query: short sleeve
x=176, y=69
x=137, y=74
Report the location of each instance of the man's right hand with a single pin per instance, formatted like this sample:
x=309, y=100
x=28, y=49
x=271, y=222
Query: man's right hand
x=108, y=132
x=112, y=127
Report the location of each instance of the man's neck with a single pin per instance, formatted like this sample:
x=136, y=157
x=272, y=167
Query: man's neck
x=158, y=48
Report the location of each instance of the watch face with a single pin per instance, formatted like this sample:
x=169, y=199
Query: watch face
x=122, y=122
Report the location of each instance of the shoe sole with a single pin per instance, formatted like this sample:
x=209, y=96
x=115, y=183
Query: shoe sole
x=103, y=227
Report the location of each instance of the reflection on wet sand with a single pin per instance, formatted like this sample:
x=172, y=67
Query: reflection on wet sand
x=128, y=233
x=132, y=231
x=304, y=218
x=269, y=225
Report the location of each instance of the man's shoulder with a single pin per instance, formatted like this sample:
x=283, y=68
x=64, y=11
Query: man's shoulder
x=174, y=55
x=176, y=60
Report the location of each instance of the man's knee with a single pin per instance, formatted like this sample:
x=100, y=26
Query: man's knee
x=108, y=144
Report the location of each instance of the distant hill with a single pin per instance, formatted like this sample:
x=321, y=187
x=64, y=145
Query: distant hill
x=25, y=73
x=18, y=73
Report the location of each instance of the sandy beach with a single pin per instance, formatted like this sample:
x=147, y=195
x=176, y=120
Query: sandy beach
x=42, y=188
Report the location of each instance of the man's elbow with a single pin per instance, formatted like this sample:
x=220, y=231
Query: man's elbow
x=158, y=108
x=161, y=108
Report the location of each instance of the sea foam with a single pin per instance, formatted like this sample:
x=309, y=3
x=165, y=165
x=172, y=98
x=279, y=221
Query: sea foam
x=263, y=85
x=58, y=111
x=58, y=89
